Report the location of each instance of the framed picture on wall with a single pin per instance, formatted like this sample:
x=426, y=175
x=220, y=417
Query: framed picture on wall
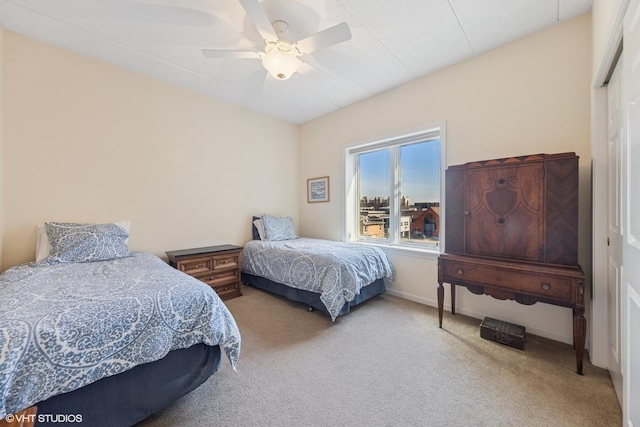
x=318, y=189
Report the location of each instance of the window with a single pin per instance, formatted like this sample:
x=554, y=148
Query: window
x=393, y=190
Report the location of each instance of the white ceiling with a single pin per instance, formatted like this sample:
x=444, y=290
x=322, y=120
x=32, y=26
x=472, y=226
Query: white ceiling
x=393, y=42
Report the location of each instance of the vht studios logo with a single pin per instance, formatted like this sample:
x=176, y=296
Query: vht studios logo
x=44, y=418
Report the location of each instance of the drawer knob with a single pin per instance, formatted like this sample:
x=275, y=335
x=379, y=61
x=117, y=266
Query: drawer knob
x=460, y=271
x=546, y=286
x=467, y=213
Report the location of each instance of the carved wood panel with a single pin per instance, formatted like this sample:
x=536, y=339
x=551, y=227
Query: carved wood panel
x=505, y=212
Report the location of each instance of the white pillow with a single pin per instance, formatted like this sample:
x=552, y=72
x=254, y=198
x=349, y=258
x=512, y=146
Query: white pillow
x=42, y=241
x=258, y=224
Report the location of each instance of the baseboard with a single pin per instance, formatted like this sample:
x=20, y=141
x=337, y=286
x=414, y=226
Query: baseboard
x=414, y=298
x=476, y=315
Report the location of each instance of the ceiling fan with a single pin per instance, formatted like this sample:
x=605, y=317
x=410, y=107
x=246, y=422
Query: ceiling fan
x=280, y=57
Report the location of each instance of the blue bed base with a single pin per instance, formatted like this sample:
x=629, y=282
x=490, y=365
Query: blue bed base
x=312, y=299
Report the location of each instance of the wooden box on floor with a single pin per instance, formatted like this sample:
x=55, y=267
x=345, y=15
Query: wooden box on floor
x=502, y=332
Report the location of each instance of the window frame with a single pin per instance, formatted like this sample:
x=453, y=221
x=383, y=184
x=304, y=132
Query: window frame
x=352, y=211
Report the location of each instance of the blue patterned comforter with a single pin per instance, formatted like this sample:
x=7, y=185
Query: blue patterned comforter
x=335, y=270
x=63, y=326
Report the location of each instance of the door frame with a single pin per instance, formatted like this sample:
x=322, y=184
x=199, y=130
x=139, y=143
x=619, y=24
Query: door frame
x=598, y=330
x=599, y=122
x=599, y=335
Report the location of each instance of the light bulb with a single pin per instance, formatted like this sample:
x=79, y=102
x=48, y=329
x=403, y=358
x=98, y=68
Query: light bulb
x=280, y=64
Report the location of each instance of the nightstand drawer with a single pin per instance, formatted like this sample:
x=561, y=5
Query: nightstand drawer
x=226, y=261
x=227, y=291
x=194, y=266
x=213, y=279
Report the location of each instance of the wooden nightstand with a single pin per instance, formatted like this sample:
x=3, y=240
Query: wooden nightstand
x=217, y=266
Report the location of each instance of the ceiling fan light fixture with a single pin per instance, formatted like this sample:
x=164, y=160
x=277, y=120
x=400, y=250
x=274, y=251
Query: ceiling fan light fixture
x=280, y=60
x=280, y=57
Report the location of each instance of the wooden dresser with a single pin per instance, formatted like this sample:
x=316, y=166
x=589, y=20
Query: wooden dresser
x=512, y=232
x=217, y=266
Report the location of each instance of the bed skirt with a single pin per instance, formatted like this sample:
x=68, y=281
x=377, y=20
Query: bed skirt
x=312, y=299
x=130, y=397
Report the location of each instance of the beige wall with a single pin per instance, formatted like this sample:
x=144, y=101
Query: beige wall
x=90, y=142
x=531, y=96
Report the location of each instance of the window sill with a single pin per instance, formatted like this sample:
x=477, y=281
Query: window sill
x=405, y=250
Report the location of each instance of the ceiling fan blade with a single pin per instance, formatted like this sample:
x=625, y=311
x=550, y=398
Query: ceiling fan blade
x=333, y=35
x=321, y=77
x=241, y=54
x=260, y=19
x=254, y=84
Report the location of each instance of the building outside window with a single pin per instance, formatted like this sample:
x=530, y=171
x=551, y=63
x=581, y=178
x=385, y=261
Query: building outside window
x=394, y=188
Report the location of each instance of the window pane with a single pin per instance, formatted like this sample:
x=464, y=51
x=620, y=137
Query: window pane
x=373, y=194
x=420, y=192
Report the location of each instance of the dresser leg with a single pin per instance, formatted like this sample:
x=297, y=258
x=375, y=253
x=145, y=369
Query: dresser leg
x=440, y=302
x=579, y=334
x=453, y=299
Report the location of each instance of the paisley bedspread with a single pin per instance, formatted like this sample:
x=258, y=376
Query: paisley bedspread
x=63, y=326
x=335, y=270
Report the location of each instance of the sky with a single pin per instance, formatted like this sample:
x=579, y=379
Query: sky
x=420, y=171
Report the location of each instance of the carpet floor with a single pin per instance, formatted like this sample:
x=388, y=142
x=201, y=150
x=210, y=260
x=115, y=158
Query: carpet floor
x=388, y=364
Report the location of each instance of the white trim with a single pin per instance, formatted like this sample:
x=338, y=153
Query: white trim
x=615, y=39
x=414, y=298
x=425, y=252
x=443, y=168
x=405, y=138
x=598, y=331
x=599, y=336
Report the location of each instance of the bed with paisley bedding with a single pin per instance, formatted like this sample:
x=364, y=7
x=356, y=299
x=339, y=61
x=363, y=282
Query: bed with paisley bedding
x=326, y=275
x=104, y=335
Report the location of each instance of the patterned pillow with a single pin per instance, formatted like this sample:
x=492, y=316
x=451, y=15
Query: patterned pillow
x=276, y=228
x=86, y=242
